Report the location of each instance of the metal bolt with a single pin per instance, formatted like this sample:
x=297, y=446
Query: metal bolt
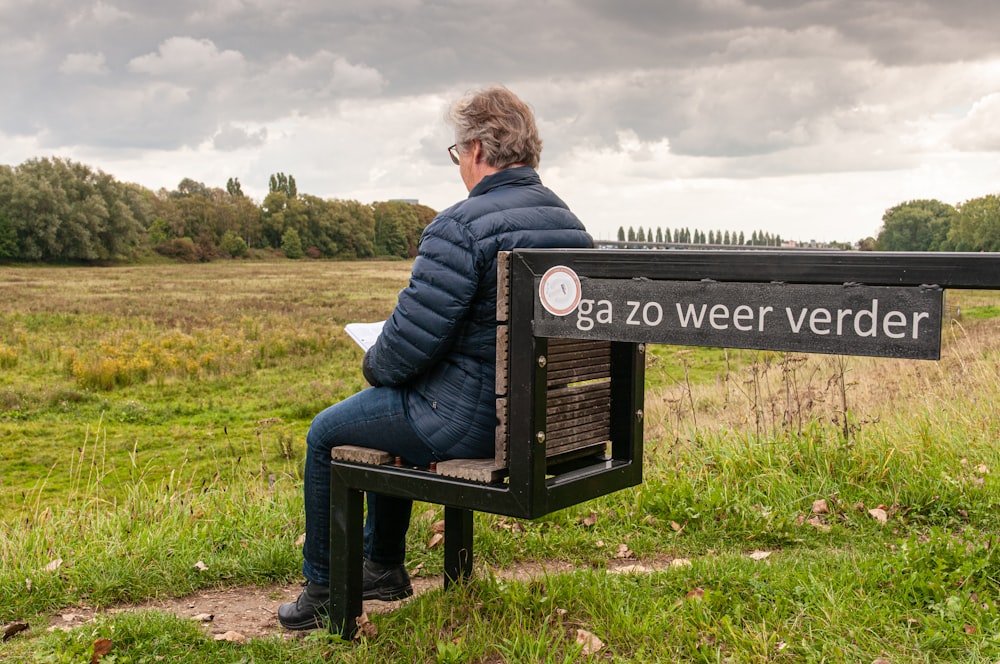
x=642, y=348
x=541, y=360
x=540, y=436
x=638, y=414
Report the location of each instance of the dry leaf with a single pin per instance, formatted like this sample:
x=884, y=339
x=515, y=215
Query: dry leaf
x=697, y=593
x=205, y=617
x=881, y=660
x=54, y=565
x=591, y=644
x=970, y=629
x=982, y=469
x=818, y=524
x=14, y=628
x=27, y=584
x=630, y=569
x=680, y=562
x=437, y=527
x=759, y=555
x=599, y=544
x=676, y=527
x=590, y=521
x=101, y=648
x=200, y=566
x=300, y=541
x=820, y=506
x=623, y=551
x=879, y=515
x=436, y=539
x=231, y=636
x=365, y=627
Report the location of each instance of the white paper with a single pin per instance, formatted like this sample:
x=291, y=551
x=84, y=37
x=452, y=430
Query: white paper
x=364, y=334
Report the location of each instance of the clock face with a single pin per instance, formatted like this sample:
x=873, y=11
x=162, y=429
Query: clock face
x=559, y=290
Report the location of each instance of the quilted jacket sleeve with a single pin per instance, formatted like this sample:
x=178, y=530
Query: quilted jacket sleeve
x=430, y=310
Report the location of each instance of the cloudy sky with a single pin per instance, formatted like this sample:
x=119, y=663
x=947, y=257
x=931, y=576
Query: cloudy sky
x=805, y=119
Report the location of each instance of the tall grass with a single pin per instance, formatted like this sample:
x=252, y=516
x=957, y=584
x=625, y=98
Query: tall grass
x=794, y=508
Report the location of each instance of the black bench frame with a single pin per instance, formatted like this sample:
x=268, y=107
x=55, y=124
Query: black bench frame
x=533, y=489
x=534, y=486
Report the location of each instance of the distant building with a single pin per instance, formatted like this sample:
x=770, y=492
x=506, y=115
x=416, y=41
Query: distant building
x=411, y=201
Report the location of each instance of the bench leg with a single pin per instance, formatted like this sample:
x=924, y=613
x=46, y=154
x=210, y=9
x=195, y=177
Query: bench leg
x=346, y=556
x=457, y=545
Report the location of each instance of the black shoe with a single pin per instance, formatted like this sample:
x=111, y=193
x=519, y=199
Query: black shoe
x=309, y=611
x=385, y=582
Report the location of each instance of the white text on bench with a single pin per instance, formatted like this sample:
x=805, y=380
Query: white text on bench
x=821, y=321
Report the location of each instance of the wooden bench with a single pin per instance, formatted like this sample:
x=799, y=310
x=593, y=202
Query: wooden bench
x=572, y=329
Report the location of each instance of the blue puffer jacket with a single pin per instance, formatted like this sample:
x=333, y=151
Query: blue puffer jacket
x=440, y=342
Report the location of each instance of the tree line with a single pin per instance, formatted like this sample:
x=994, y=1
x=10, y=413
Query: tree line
x=60, y=210
x=931, y=225
x=687, y=236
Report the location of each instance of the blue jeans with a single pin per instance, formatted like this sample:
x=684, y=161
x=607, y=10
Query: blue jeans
x=374, y=417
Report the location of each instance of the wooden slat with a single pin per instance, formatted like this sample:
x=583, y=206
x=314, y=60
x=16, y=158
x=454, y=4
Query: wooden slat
x=566, y=397
x=569, y=428
x=557, y=426
x=576, y=375
x=503, y=286
x=503, y=337
x=557, y=346
x=359, y=454
x=578, y=398
x=597, y=352
x=579, y=358
x=500, y=447
x=596, y=409
x=585, y=402
x=578, y=361
x=475, y=470
x=578, y=440
x=581, y=411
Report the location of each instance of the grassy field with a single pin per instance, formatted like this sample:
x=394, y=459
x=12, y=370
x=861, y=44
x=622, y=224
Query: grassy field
x=794, y=508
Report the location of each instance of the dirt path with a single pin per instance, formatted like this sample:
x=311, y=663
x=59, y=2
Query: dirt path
x=247, y=612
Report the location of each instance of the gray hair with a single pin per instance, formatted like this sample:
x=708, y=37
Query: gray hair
x=502, y=123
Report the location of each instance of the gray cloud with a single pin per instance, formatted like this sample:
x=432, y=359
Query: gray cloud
x=231, y=137
x=980, y=131
x=723, y=88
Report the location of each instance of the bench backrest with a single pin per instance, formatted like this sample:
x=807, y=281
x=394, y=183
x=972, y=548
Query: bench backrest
x=574, y=399
x=577, y=397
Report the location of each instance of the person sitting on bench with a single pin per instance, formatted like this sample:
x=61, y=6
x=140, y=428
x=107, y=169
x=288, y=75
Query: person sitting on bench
x=432, y=370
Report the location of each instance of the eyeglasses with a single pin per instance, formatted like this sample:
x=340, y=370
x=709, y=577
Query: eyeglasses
x=453, y=153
